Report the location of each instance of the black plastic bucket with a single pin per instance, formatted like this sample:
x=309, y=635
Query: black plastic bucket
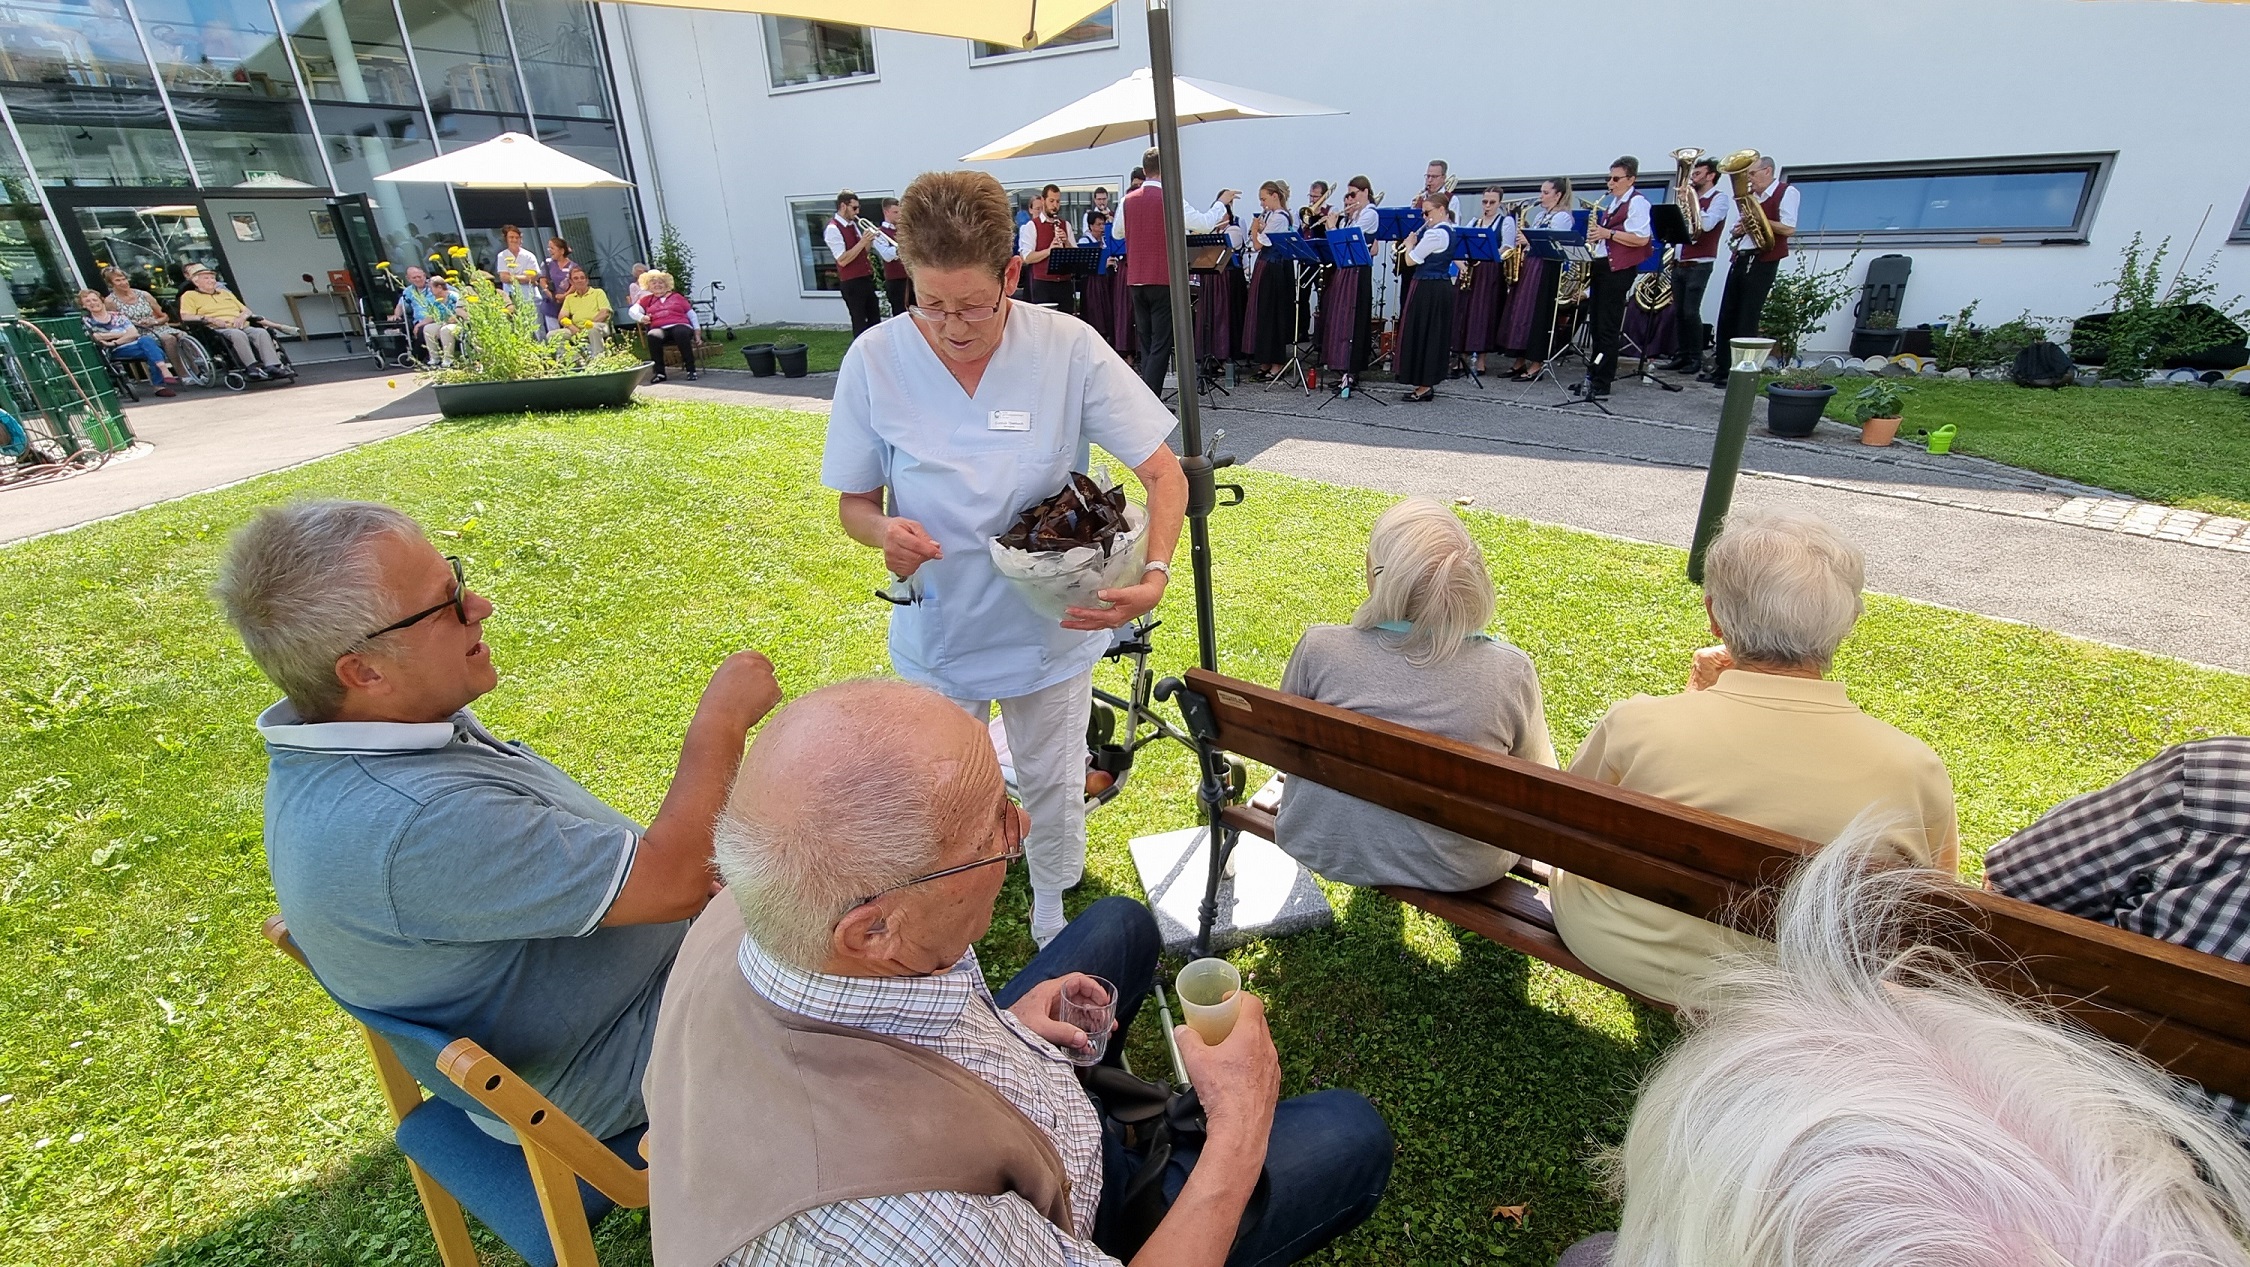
x=792, y=359
x=759, y=356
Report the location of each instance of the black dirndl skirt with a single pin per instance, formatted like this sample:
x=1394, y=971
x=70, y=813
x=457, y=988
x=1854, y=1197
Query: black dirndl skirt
x=1346, y=307
x=1425, y=350
x=1269, y=327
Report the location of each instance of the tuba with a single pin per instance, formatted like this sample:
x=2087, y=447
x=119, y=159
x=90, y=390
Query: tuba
x=1737, y=167
x=1683, y=190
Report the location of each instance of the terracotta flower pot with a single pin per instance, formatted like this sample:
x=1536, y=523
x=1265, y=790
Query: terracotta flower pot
x=1878, y=431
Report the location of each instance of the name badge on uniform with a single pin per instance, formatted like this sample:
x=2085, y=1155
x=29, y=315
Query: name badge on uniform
x=1009, y=420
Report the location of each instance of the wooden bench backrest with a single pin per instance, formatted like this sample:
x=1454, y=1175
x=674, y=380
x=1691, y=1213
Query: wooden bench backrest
x=2184, y=1009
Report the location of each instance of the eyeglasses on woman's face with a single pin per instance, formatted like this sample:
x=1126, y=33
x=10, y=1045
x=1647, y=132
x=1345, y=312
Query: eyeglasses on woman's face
x=937, y=316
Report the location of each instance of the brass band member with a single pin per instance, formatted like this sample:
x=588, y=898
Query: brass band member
x=1527, y=327
x=1691, y=268
x=1621, y=241
x=1141, y=220
x=1100, y=208
x=1750, y=274
x=855, y=273
x=1036, y=240
x=1270, y=326
x=896, y=287
x=1312, y=218
x=1477, y=315
x=1347, y=305
x=1425, y=349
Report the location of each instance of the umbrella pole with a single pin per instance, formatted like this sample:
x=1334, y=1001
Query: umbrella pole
x=1212, y=791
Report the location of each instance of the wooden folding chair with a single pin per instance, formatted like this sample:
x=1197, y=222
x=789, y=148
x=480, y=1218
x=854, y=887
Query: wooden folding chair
x=542, y=1198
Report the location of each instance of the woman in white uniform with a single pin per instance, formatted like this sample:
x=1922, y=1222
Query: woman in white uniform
x=947, y=423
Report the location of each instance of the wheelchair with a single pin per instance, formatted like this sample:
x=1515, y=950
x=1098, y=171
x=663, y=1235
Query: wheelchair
x=208, y=361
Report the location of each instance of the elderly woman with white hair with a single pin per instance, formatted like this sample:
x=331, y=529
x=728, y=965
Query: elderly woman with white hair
x=1761, y=735
x=1854, y=1100
x=1416, y=653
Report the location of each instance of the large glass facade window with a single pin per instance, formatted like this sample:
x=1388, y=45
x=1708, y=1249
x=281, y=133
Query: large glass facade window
x=555, y=38
x=2025, y=201
x=90, y=45
x=599, y=224
x=411, y=220
x=351, y=50
x=248, y=143
x=216, y=46
x=462, y=48
x=97, y=138
x=31, y=261
x=1099, y=30
x=801, y=52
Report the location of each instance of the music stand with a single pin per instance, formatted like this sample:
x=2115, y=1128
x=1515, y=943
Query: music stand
x=1560, y=247
x=1471, y=246
x=1200, y=260
x=1347, y=248
x=1302, y=250
x=1669, y=224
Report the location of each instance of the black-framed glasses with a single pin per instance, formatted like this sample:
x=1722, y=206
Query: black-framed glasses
x=459, y=603
x=974, y=316
x=1011, y=831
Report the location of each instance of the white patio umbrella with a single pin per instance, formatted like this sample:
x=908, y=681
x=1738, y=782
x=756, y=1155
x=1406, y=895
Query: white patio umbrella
x=1126, y=111
x=510, y=160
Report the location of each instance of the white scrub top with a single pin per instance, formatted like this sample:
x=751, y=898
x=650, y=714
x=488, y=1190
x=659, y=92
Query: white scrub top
x=965, y=468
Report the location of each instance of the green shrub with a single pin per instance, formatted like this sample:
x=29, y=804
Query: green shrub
x=503, y=341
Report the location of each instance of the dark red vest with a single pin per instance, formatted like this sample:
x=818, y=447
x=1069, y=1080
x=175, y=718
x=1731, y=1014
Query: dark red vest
x=1772, y=204
x=859, y=266
x=1043, y=235
x=1144, y=237
x=1623, y=258
x=893, y=270
x=1705, y=245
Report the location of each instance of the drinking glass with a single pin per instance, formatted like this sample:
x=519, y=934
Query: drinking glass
x=1090, y=1003
x=1207, y=990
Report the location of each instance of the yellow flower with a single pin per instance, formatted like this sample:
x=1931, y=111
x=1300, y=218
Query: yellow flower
x=460, y=251
x=468, y=299
x=433, y=257
x=384, y=265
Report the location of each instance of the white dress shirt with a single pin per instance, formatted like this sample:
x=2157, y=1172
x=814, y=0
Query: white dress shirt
x=1721, y=209
x=1636, y=221
x=954, y=1015
x=886, y=245
x=833, y=235
x=1790, y=201
x=1027, y=236
x=1433, y=239
x=1194, y=220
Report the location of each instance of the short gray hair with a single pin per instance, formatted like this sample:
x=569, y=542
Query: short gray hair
x=1424, y=568
x=1855, y=1100
x=301, y=587
x=1783, y=588
x=841, y=796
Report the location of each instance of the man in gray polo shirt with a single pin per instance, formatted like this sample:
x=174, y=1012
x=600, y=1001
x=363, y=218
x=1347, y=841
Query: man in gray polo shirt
x=433, y=871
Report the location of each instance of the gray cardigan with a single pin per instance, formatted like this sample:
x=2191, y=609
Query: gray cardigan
x=1485, y=694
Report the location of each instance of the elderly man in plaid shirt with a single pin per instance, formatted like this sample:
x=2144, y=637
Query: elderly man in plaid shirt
x=833, y=1083
x=2164, y=851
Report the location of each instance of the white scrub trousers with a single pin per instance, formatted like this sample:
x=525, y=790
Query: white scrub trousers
x=1047, y=738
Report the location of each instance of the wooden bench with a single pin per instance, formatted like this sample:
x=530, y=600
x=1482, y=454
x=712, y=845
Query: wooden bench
x=2184, y=1009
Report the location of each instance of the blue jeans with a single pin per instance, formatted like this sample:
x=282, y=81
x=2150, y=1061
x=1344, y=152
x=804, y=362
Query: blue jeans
x=145, y=348
x=1329, y=1156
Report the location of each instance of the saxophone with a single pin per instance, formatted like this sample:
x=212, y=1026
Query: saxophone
x=1754, y=223
x=1683, y=191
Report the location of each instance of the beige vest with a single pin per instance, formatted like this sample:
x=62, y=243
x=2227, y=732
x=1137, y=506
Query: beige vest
x=757, y=1114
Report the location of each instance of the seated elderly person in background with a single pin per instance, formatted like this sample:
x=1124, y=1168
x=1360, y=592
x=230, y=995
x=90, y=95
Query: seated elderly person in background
x=834, y=1009
x=1760, y=735
x=142, y=309
x=1415, y=653
x=667, y=318
x=217, y=309
x=433, y=871
x=1852, y=1102
x=584, y=310
x=2164, y=852
x=441, y=326
x=116, y=335
x=413, y=308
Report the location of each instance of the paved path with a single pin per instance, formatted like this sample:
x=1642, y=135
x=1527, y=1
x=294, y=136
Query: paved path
x=1954, y=530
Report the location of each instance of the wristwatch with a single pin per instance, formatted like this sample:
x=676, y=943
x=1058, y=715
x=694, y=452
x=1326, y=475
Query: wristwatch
x=1158, y=565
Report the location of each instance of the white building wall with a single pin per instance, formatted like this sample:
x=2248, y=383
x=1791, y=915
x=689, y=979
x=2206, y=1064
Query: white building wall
x=1840, y=81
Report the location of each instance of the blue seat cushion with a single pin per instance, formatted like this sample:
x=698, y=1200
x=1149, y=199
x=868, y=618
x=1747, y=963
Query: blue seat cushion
x=490, y=1178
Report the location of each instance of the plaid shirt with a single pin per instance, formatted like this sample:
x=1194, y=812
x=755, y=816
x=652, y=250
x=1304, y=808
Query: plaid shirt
x=954, y=1015
x=2164, y=851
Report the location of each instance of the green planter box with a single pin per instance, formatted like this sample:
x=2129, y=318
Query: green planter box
x=542, y=395
x=67, y=382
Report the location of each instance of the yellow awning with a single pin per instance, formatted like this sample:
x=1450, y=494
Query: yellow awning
x=1013, y=23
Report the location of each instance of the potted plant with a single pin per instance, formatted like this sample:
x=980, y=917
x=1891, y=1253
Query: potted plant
x=1795, y=400
x=1878, y=406
x=507, y=365
x=1800, y=303
x=1879, y=337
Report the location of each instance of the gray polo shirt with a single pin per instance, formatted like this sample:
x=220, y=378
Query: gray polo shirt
x=438, y=874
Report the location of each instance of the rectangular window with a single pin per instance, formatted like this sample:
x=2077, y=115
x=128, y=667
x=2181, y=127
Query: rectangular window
x=249, y=142
x=1099, y=30
x=2030, y=201
x=462, y=49
x=808, y=219
x=54, y=42
x=351, y=50
x=801, y=53
x=556, y=41
x=2241, y=224
x=221, y=47
x=85, y=137
x=412, y=220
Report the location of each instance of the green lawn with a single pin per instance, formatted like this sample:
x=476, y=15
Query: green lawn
x=172, y=1090
x=2181, y=446
x=824, y=349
